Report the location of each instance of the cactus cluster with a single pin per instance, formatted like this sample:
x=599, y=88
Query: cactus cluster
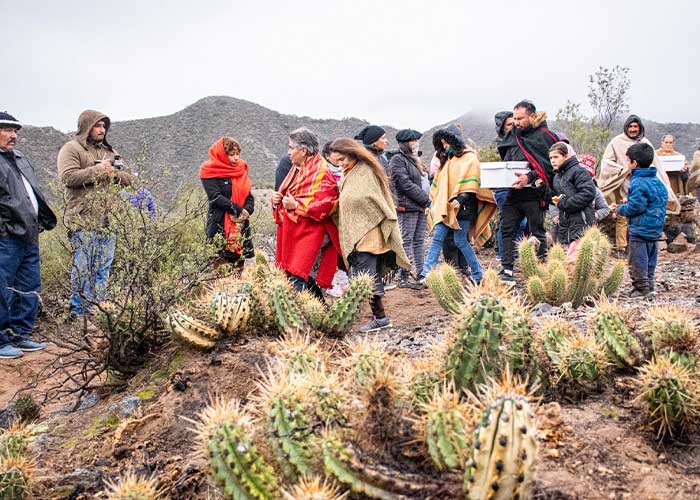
x=555, y=281
x=673, y=332
x=16, y=462
x=445, y=284
x=503, y=453
x=345, y=310
x=671, y=396
x=132, y=487
x=609, y=325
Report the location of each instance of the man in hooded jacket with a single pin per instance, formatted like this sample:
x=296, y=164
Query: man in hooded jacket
x=615, y=172
x=87, y=172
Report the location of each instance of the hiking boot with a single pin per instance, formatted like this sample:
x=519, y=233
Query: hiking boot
x=639, y=294
x=506, y=275
x=412, y=284
x=8, y=351
x=28, y=345
x=376, y=324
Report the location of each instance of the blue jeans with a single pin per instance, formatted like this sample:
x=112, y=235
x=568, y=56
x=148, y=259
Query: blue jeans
x=93, y=253
x=642, y=262
x=20, y=283
x=462, y=242
x=501, y=195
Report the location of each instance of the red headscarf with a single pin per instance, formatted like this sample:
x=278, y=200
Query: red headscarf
x=219, y=167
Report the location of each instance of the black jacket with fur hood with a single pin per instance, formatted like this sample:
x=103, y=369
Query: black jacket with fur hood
x=469, y=206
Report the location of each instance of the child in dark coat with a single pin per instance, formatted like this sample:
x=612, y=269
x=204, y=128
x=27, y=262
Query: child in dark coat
x=646, y=211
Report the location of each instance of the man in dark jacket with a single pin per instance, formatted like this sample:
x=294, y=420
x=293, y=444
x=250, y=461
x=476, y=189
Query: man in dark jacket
x=23, y=214
x=533, y=140
x=407, y=180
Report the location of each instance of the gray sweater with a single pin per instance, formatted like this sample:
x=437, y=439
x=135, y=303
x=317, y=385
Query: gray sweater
x=600, y=206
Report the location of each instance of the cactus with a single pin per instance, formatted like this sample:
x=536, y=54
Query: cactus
x=299, y=354
x=582, y=362
x=132, y=487
x=326, y=398
x=26, y=408
x=556, y=288
x=315, y=489
x=612, y=283
x=557, y=253
x=673, y=333
x=445, y=284
x=223, y=431
x=365, y=361
x=345, y=464
x=285, y=311
x=313, y=309
x=15, y=478
x=192, y=331
x=344, y=311
x=528, y=257
x=423, y=379
x=504, y=449
x=230, y=313
x=580, y=281
x=536, y=290
x=608, y=324
x=517, y=334
x=475, y=341
x=444, y=425
x=288, y=423
x=671, y=396
x=14, y=442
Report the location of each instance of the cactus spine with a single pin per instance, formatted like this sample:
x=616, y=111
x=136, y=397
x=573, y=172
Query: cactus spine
x=609, y=326
x=528, y=258
x=582, y=361
x=225, y=440
x=299, y=354
x=671, y=395
x=231, y=314
x=132, y=487
x=673, y=333
x=504, y=449
x=313, y=309
x=444, y=282
x=192, y=331
x=285, y=311
x=344, y=310
x=14, y=442
x=315, y=489
x=15, y=478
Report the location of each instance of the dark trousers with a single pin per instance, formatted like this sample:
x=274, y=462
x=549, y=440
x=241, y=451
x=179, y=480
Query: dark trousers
x=512, y=214
x=642, y=262
x=363, y=262
x=300, y=285
x=20, y=282
x=414, y=227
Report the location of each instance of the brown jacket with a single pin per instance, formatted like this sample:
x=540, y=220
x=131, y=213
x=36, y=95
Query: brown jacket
x=90, y=191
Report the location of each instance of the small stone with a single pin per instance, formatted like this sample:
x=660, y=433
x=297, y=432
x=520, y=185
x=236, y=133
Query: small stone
x=88, y=401
x=127, y=407
x=553, y=453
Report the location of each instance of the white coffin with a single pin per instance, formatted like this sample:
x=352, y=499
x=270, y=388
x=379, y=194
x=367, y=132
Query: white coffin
x=672, y=163
x=501, y=174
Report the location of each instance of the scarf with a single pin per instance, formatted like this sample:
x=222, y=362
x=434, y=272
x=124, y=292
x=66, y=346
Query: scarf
x=534, y=141
x=461, y=174
x=219, y=167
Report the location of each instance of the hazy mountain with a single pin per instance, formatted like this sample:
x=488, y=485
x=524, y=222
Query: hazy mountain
x=172, y=147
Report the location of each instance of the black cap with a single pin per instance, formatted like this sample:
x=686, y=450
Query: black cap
x=370, y=134
x=9, y=121
x=408, y=134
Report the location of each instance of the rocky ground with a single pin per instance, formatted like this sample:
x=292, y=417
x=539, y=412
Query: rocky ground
x=598, y=448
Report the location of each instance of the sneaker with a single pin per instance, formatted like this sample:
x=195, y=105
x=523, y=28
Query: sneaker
x=375, y=325
x=639, y=294
x=404, y=283
x=8, y=351
x=389, y=285
x=28, y=345
x=506, y=275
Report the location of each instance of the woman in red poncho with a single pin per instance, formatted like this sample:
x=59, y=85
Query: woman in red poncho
x=307, y=239
x=226, y=182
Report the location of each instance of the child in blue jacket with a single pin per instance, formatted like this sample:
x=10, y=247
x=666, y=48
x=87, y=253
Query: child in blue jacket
x=646, y=211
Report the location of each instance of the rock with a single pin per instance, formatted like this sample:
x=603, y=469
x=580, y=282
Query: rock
x=88, y=401
x=680, y=245
x=40, y=443
x=127, y=407
x=88, y=476
x=567, y=306
x=662, y=245
x=543, y=309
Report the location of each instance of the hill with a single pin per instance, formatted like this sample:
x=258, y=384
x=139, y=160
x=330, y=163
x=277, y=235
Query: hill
x=172, y=147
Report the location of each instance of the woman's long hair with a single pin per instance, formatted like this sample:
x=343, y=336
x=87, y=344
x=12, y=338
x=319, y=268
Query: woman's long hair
x=350, y=147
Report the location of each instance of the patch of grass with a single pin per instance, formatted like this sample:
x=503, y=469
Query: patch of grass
x=147, y=393
x=611, y=412
x=100, y=425
x=70, y=443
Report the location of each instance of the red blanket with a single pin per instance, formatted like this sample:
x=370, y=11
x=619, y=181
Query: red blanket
x=301, y=232
x=218, y=167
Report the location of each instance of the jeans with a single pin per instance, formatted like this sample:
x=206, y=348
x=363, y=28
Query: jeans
x=93, y=253
x=512, y=216
x=501, y=196
x=462, y=242
x=20, y=283
x=414, y=226
x=642, y=262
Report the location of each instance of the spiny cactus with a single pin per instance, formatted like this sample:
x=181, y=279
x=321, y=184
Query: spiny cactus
x=14, y=441
x=555, y=282
x=327, y=399
x=16, y=475
x=224, y=434
x=132, y=487
x=379, y=415
x=517, y=334
x=673, y=333
x=313, y=309
x=315, y=489
x=26, y=408
x=299, y=354
x=344, y=463
x=422, y=378
x=445, y=284
x=344, y=310
x=288, y=424
x=444, y=425
x=609, y=326
x=582, y=362
x=671, y=396
x=230, y=313
x=503, y=455
x=474, y=342
x=365, y=360
x=285, y=311
x=192, y=331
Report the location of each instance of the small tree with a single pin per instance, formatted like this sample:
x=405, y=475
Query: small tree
x=607, y=94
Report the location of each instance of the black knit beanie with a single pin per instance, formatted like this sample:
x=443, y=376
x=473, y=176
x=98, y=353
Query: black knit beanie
x=9, y=121
x=370, y=134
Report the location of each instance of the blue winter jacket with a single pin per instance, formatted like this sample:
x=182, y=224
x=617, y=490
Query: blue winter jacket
x=646, y=204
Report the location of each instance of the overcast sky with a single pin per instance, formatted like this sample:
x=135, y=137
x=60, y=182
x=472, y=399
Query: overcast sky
x=408, y=63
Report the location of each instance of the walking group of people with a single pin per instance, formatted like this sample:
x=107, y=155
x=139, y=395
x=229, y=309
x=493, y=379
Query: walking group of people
x=350, y=205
